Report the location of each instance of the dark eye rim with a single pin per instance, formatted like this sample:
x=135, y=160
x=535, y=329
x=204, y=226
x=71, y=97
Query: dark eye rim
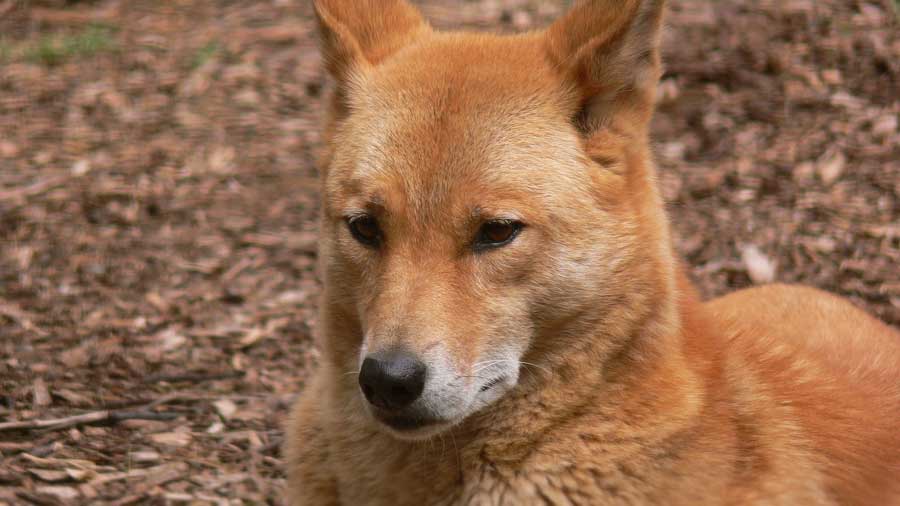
x=482, y=243
x=352, y=223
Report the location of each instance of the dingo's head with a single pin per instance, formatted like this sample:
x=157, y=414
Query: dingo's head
x=487, y=202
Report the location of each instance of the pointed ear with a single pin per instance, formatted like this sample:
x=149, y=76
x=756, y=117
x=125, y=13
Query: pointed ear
x=360, y=33
x=608, y=51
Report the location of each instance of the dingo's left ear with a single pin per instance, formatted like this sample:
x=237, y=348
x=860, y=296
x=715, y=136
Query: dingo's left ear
x=609, y=51
x=359, y=33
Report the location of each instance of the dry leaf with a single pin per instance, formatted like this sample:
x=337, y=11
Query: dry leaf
x=81, y=167
x=87, y=491
x=177, y=439
x=225, y=407
x=8, y=149
x=58, y=491
x=144, y=456
x=804, y=171
x=171, y=340
x=252, y=336
x=831, y=166
x=49, y=475
x=157, y=301
x=846, y=100
x=80, y=474
x=245, y=435
x=145, y=425
x=291, y=297
x=75, y=358
x=759, y=267
x=72, y=397
x=884, y=126
x=41, y=393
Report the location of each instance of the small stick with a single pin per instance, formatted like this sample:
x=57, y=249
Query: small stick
x=93, y=417
x=192, y=377
x=33, y=189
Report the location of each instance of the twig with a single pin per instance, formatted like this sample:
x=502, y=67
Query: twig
x=65, y=17
x=192, y=377
x=190, y=397
x=35, y=499
x=34, y=189
x=147, y=404
x=19, y=315
x=94, y=417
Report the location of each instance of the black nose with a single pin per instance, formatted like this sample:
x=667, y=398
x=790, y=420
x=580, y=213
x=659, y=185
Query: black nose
x=392, y=379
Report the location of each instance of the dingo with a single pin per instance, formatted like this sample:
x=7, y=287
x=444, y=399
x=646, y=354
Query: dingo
x=504, y=320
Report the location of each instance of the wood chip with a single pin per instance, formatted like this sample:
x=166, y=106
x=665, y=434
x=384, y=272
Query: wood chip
x=49, y=475
x=176, y=439
x=171, y=340
x=80, y=474
x=144, y=456
x=75, y=358
x=885, y=126
x=252, y=336
x=41, y=393
x=225, y=407
x=72, y=397
x=60, y=492
x=830, y=166
x=759, y=267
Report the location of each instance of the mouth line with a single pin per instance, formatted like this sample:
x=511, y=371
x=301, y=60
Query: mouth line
x=419, y=425
x=402, y=423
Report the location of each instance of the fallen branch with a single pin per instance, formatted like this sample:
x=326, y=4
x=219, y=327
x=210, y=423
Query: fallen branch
x=94, y=417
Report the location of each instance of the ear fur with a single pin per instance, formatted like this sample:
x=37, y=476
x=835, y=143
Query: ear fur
x=356, y=34
x=608, y=51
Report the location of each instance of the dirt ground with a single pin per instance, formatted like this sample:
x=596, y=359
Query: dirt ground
x=158, y=199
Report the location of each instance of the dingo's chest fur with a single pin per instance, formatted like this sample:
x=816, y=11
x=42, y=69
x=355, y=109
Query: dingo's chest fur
x=504, y=320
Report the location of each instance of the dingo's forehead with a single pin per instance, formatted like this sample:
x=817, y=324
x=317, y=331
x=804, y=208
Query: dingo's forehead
x=457, y=121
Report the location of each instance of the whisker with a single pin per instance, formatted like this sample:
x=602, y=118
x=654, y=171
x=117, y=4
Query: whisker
x=542, y=368
x=490, y=363
x=487, y=364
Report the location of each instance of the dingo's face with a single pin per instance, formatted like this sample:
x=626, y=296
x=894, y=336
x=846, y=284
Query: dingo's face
x=466, y=224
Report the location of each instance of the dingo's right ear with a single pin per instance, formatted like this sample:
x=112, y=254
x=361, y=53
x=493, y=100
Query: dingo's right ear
x=357, y=34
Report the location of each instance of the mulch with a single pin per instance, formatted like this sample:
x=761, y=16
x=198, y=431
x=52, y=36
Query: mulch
x=158, y=203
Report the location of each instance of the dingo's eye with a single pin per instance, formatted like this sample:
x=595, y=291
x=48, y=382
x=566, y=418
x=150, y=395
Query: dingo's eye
x=364, y=229
x=496, y=233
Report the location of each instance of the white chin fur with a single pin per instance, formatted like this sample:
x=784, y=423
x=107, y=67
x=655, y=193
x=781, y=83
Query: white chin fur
x=451, y=396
